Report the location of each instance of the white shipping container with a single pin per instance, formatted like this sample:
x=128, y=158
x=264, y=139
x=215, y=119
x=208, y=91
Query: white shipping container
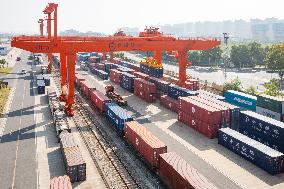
x=268, y=113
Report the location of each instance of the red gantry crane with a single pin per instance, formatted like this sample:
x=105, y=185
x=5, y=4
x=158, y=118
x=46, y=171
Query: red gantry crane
x=149, y=40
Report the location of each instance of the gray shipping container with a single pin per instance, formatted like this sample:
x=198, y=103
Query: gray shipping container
x=268, y=113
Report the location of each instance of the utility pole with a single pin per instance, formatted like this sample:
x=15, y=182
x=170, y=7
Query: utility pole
x=226, y=55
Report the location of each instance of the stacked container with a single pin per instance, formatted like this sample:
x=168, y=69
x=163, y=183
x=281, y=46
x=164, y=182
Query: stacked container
x=207, y=94
x=178, y=174
x=102, y=74
x=205, y=119
x=263, y=129
x=141, y=75
x=145, y=90
x=123, y=69
x=243, y=100
x=155, y=72
x=126, y=81
x=175, y=91
x=99, y=100
x=169, y=103
x=108, y=66
x=114, y=76
x=144, y=142
x=100, y=66
x=118, y=116
x=195, y=84
x=261, y=155
x=270, y=106
x=94, y=59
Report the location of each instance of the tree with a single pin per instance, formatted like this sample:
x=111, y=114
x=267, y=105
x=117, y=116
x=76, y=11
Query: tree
x=251, y=90
x=257, y=53
x=213, y=55
x=240, y=56
x=275, y=59
x=235, y=85
x=193, y=56
x=272, y=88
x=3, y=62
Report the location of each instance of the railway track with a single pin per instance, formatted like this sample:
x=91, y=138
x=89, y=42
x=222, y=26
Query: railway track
x=111, y=169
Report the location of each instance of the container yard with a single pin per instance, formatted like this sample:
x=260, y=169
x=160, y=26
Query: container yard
x=79, y=115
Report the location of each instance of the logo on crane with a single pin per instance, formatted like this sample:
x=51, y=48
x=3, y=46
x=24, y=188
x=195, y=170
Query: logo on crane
x=113, y=46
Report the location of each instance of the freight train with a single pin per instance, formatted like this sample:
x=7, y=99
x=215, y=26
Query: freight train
x=144, y=142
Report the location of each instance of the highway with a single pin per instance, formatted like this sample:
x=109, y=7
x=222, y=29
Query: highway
x=17, y=146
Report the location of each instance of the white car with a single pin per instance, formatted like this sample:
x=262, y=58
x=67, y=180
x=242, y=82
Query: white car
x=24, y=71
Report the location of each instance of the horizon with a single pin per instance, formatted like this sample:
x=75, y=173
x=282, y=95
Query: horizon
x=107, y=16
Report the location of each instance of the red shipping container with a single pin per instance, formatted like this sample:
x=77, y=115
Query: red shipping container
x=92, y=59
x=61, y=182
x=86, y=88
x=178, y=174
x=100, y=66
x=226, y=116
x=114, y=76
x=195, y=83
x=148, y=145
x=147, y=86
x=201, y=111
x=99, y=100
x=141, y=75
x=169, y=103
x=188, y=85
x=79, y=78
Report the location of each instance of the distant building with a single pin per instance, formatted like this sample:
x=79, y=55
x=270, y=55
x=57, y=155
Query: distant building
x=259, y=31
x=278, y=31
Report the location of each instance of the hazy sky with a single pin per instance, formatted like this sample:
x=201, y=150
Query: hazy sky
x=108, y=15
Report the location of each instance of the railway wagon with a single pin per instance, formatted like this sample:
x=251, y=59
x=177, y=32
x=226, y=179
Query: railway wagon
x=86, y=88
x=177, y=173
x=148, y=145
x=61, y=182
x=99, y=100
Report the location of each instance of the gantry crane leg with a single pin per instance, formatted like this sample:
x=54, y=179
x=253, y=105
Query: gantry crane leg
x=71, y=79
x=158, y=57
x=182, y=61
x=63, y=96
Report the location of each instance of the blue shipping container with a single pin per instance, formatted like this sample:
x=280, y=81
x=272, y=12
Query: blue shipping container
x=259, y=154
x=118, y=116
x=102, y=74
x=176, y=91
x=127, y=81
x=40, y=87
x=241, y=99
x=94, y=54
x=160, y=84
x=264, y=129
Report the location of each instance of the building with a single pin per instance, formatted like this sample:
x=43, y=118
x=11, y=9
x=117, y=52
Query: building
x=3, y=50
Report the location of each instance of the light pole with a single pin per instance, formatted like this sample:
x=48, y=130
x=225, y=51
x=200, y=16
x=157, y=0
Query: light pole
x=226, y=37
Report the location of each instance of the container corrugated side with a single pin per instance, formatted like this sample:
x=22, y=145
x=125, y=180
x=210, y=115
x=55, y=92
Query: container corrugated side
x=241, y=99
x=274, y=104
x=259, y=154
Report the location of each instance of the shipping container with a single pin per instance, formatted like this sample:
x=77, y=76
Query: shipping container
x=127, y=70
x=169, y=103
x=145, y=90
x=100, y=66
x=78, y=78
x=40, y=87
x=234, y=111
x=274, y=104
x=99, y=100
x=39, y=77
x=102, y=74
x=118, y=116
x=141, y=75
x=176, y=91
x=94, y=59
x=195, y=84
x=225, y=111
x=241, y=99
x=268, y=113
x=207, y=94
x=114, y=76
x=160, y=84
x=148, y=145
x=46, y=78
x=259, y=154
x=108, y=66
x=75, y=165
x=178, y=174
x=60, y=182
x=86, y=88
x=126, y=81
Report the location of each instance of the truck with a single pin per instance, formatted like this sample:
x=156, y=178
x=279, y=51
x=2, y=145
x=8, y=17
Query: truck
x=114, y=96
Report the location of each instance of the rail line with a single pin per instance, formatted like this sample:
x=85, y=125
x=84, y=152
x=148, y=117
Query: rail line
x=110, y=167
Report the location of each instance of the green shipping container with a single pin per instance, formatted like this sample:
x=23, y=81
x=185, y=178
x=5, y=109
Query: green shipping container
x=271, y=103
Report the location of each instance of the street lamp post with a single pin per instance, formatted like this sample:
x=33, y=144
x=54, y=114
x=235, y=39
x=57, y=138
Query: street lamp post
x=226, y=37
